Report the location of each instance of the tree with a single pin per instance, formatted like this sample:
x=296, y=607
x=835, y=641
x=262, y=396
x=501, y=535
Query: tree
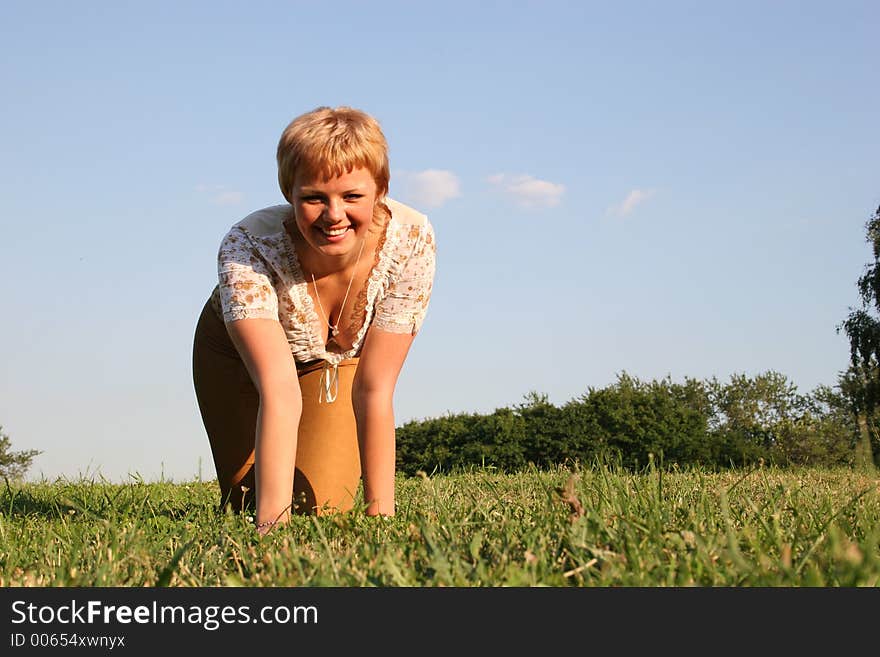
x=862, y=327
x=13, y=465
x=632, y=420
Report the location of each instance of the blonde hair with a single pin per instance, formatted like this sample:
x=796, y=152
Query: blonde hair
x=329, y=142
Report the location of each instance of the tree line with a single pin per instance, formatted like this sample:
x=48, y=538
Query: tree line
x=695, y=422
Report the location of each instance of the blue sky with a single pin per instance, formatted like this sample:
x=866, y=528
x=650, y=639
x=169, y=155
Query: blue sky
x=667, y=189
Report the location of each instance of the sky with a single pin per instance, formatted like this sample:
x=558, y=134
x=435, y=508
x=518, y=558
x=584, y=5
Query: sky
x=673, y=189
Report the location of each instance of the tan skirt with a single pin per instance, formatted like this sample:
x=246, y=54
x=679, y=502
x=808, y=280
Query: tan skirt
x=328, y=470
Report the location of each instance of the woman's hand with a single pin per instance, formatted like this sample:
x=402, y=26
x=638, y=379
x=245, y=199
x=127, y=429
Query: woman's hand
x=266, y=526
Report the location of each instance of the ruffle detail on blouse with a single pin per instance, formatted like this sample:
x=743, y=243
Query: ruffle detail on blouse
x=303, y=343
x=383, y=273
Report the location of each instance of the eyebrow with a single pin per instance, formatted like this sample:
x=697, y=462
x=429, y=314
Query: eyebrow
x=312, y=190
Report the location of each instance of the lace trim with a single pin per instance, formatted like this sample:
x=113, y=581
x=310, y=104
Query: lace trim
x=378, y=282
x=300, y=292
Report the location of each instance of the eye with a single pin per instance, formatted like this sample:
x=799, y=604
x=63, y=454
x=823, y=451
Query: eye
x=311, y=199
x=353, y=197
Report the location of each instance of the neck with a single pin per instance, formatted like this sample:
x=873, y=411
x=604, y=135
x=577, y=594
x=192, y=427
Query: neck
x=321, y=265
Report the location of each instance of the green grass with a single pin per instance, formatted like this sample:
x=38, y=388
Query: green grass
x=592, y=527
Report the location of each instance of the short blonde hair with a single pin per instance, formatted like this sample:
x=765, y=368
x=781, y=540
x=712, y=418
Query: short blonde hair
x=329, y=142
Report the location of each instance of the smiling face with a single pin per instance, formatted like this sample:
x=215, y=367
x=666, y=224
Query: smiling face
x=334, y=216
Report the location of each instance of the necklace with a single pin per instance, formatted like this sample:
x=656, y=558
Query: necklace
x=334, y=328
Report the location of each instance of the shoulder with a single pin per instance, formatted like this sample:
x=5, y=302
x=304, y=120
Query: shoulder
x=411, y=235
x=404, y=214
x=412, y=230
x=258, y=240
x=264, y=222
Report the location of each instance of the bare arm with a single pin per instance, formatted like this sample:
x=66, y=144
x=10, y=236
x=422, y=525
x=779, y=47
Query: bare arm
x=381, y=360
x=266, y=354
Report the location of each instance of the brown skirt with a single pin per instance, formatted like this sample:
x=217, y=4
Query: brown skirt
x=327, y=472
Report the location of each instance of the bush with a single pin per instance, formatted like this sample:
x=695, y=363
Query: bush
x=708, y=423
x=631, y=420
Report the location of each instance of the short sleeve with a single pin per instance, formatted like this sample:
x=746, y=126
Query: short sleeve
x=403, y=308
x=246, y=289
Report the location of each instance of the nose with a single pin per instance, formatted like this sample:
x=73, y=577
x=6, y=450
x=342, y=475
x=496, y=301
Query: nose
x=335, y=210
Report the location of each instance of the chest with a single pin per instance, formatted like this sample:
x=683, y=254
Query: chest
x=340, y=302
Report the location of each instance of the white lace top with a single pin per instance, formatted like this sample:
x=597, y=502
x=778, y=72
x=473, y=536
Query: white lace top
x=260, y=276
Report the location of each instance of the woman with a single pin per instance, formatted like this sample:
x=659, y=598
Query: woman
x=298, y=350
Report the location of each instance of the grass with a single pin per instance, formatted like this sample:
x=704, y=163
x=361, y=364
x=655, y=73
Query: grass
x=592, y=527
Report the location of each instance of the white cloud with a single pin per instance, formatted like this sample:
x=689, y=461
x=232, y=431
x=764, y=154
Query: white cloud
x=228, y=198
x=430, y=188
x=528, y=191
x=634, y=198
x=219, y=194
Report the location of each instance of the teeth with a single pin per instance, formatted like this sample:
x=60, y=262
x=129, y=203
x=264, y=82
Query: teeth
x=335, y=232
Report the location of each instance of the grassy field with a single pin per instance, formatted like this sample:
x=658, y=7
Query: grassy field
x=590, y=527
